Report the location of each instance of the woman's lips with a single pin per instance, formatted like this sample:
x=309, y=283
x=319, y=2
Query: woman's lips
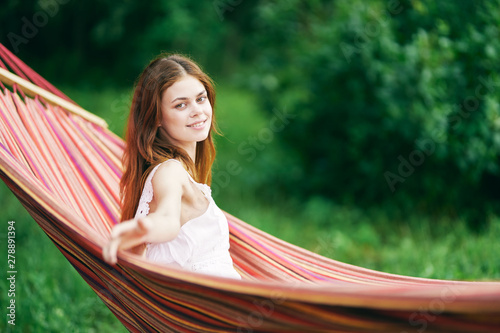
x=198, y=124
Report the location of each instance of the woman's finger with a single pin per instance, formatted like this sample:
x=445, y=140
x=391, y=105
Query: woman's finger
x=122, y=228
x=112, y=251
x=106, y=253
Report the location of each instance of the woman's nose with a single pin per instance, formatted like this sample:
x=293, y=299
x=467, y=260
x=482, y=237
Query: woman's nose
x=196, y=110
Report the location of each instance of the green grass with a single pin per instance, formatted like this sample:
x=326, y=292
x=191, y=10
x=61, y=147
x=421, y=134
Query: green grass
x=51, y=296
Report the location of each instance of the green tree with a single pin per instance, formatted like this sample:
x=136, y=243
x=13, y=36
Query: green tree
x=395, y=101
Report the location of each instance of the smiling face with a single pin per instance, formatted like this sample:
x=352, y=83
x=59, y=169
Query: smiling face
x=186, y=113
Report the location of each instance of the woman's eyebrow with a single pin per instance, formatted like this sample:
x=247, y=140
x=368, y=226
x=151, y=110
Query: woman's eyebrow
x=184, y=98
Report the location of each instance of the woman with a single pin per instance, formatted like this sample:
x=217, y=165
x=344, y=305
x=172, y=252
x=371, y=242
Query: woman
x=169, y=154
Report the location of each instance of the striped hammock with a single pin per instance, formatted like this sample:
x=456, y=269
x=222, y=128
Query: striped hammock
x=64, y=165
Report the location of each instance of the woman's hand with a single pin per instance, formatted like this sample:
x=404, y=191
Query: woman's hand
x=126, y=235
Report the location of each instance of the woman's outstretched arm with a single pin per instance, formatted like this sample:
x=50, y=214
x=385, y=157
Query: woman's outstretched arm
x=161, y=225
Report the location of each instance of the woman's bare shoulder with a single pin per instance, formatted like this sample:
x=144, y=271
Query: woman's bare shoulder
x=170, y=172
x=169, y=183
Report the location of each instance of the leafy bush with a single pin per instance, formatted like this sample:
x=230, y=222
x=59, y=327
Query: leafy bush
x=394, y=101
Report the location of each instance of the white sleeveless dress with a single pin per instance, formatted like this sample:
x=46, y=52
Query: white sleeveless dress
x=202, y=244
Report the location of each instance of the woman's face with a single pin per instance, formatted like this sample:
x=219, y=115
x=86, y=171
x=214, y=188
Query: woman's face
x=186, y=113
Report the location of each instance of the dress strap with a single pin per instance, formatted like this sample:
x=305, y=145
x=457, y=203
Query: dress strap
x=147, y=192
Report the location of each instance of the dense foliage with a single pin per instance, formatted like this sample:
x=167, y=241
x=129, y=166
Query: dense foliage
x=393, y=101
x=390, y=102
x=62, y=37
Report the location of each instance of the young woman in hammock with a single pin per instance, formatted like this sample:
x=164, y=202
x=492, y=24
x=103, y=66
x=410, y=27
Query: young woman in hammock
x=169, y=154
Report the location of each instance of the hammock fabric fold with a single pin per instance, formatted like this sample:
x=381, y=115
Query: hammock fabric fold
x=65, y=170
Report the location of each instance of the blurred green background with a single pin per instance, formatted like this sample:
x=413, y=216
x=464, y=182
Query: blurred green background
x=366, y=131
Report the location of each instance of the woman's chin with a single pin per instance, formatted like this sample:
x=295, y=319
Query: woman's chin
x=202, y=138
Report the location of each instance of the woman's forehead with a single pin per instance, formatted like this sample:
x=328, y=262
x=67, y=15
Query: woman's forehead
x=186, y=87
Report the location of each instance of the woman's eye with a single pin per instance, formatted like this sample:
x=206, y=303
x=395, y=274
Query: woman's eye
x=180, y=106
x=202, y=99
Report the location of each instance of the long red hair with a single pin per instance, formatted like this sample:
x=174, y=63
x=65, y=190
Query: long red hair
x=145, y=147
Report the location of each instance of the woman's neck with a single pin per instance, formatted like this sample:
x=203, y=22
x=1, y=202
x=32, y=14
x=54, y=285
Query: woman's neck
x=190, y=149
